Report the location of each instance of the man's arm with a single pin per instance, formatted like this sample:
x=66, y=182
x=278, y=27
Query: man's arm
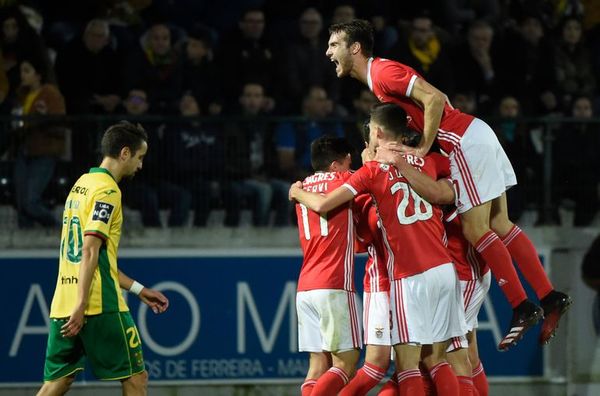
x=439, y=192
x=432, y=100
x=89, y=263
x=153, y=298
x=321, y=203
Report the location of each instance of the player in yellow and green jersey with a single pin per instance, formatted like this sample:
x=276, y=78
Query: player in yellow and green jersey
x=89, y=317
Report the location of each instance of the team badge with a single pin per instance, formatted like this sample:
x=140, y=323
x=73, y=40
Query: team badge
x=384, y=167
x=102, y=212
x=379, y=332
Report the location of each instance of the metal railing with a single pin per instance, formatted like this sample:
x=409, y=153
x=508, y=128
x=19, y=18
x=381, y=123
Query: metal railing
x=196, y=165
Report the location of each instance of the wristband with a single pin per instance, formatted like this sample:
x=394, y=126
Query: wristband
x=136, y=288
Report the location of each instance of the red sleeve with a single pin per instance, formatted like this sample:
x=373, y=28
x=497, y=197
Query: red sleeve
x=396, y=79
x=360, y=181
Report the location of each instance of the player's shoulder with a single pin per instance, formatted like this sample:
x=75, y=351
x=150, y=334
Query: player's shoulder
x=390, y=64
x=102, y=187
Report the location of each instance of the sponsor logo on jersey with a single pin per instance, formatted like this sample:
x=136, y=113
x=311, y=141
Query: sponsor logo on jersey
x=102, y=212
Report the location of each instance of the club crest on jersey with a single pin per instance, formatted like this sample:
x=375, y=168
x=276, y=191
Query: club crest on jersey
x=102, y=212
x=384, y=167
x=379, y=332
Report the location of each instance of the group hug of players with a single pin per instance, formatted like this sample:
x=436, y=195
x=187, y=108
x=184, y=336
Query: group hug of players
x=424, y=282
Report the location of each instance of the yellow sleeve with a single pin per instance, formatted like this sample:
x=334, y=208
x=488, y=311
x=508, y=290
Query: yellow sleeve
x=104, y=209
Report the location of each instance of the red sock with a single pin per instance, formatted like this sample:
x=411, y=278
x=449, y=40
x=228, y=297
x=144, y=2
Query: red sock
x=428, y=384
x=480, y=381
x=330, y=383
x=410, y=383
x=390, y=388
x=444, y=379
x=365, y=379
x=465, y=386
x=496, y=256
x=523, y=252
x=308, y=386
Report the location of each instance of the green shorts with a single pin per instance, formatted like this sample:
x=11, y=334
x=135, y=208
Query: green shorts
x=109, y=341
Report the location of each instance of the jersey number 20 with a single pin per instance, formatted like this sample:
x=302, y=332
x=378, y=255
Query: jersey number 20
x=423, y=210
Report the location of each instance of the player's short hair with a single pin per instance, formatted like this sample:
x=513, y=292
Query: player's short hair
x=120, y=135
x=392, y=119
x=357, y=31
x=366, y=131
x=326, y=149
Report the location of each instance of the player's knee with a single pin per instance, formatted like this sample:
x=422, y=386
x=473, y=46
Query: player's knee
x=474, y=231
x=58, y=387
x=139, y=381
x=501, y=225
x=473, y=358
x=460, y=363
x=379, y=358
x=347, y=361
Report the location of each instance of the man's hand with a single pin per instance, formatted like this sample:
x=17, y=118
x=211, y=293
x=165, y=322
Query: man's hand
x=154, y=299
x=418, y=151
x=75, y=323
x=388, y=155
x=367, y=155
x=293, y=187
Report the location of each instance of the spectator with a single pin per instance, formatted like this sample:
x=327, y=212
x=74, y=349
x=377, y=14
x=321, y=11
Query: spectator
x=38, y=144
x=461, y=13
x=525, y=67
x=306, y=64
x=475, y=65
x=343, y=13
x=153, y=189
x=88, y=72
x=385, y=35
x=250, y=159
x=200, y=72
x=465, y=102
x=18, y=40
x=572, y=61
x=293, y=139
x=247, y=55
x=576, y=162
x=156, y=68
x=515, y=139
x=426, y=52
x=194, y=154
x=363, y=104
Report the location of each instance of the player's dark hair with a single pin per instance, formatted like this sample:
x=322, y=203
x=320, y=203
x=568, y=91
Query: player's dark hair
x=357, y=31
x=366, y=131
x=392, y=118
x=326, y=149
x=120, y=135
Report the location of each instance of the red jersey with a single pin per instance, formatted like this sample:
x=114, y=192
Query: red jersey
x=469, y=264
x=327, y=239
x=368, y=232
x=412, y=228
x=392, y=81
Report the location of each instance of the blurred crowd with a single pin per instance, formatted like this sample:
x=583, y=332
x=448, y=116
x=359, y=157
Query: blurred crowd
x=239, y=62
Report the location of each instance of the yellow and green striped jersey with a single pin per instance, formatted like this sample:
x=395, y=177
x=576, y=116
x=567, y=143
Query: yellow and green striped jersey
x=93, y=207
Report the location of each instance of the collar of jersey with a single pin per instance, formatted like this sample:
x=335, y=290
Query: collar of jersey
x=101, y=170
